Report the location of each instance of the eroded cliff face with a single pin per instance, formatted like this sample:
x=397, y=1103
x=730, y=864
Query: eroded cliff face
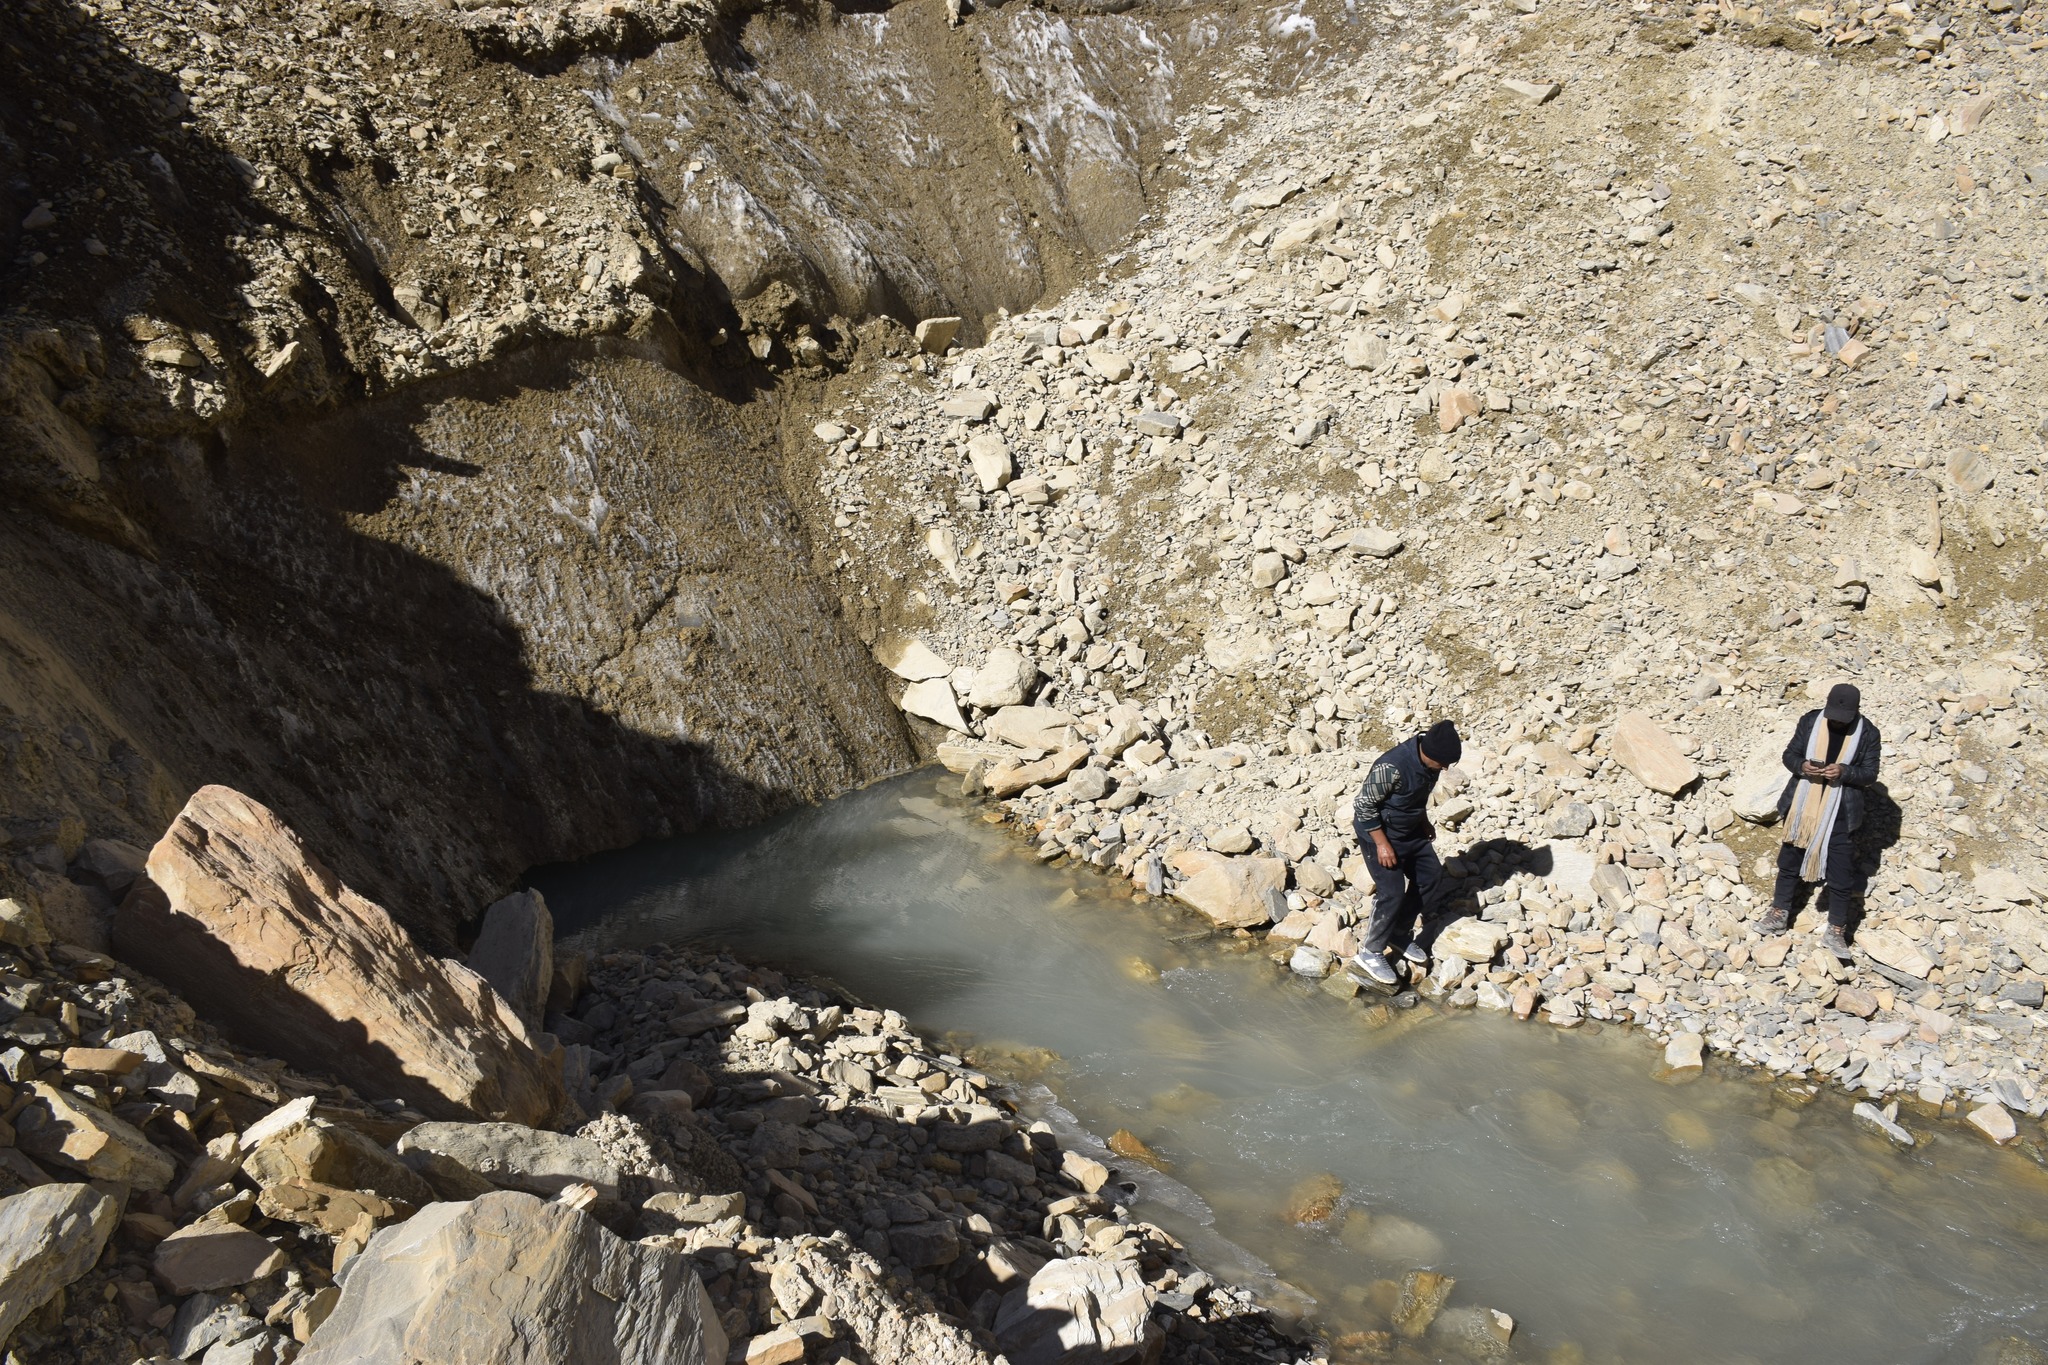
x=392, y=395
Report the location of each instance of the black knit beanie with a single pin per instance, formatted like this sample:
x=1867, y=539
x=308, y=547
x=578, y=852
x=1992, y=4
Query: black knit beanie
x=1442, y=744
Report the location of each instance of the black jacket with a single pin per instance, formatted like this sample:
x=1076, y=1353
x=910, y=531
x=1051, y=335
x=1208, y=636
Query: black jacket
x=1395, y=796
x=1855, y=777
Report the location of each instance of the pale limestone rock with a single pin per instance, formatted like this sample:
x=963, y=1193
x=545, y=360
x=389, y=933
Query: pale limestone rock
x=262, y=938
x=1232, y=651
x=934, y=335
x=1005, y=678
x=1011, y=778
x=508, y=1277
x=910, y=659
x=1994, y=1122
x=989, y=454
x=212, y=1254
x=1472, y=939
x=1896, y=951
x=1076, y=1310
x=515, y=952
x=510, y=1157
x=1234, y=892
x=1031, y=727
x=1762, y=777
x=1686, y=1052
x=57, y=1127
x=49, y=1236
x=933, y=700
x=1111, y=365
x=1642, y=746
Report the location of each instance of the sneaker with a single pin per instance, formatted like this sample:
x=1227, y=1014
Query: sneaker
x=1375, y=968
x=1833, y=942
x=1776, y=920
x=1414, y=953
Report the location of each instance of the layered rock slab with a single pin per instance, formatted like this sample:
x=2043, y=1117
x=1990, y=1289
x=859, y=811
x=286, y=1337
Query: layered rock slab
x=510, y=1280
x=49, y=1236
x=253, y=930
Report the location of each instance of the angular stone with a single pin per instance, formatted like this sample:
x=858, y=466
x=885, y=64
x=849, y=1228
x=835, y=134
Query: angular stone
x=1896, y=951
x=262, y=938
x=1111, y=365
x=1453, y=406
x=1378, y=543
x=1423, y=1295
x=933, y=700
x=1641, y=745
x=910, y=658
x=1762, y=777
x=510, y=1278
x=1994, y=1122
x=934, y=335
x=58, y=1127
x=1234, y=892
x=49, y=1236
x=1536, y=92
x=211, y=1254
x=510, y=1157
x=325, y=1153
x=1031, y=727
x=1076, y=1310
x=325, y=1208
x=515, y=952
x=1610, y=883
x=1472, y=939
x=969, y=405
x=1685, y=1052
x=924, y=1245
x=1159, y=423
x=989, y=455
x=1011, y=778
x=1005, y=678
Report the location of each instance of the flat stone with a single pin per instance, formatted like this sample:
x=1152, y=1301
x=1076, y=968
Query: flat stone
x=1685, y=1052
x=57, y=1127
x=515, y=952
x=2002, y=884
x=510, y=1157
x=1762, y=776
x=921, y=1246
x=1642, y=746
x=910, y=658
x=1111, y=365
x=1896, y=951
x=969, y=405
x=1536, y=92
x=1377, y=542
x=214, y=1255
x=1031, y=727
x=1472, y=939
x=1012, y=778
x=1005, y=678
x=933, y=700
x=301, y=1147
x=1073, y=1310
x=262, y=939
x=1159, y=423
x=1994, y=1122
x=49, y=1236
x=508, y=1277
x=1884, y=1121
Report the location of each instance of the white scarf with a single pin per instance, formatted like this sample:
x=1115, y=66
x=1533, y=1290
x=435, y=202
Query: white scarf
x=1815, y=805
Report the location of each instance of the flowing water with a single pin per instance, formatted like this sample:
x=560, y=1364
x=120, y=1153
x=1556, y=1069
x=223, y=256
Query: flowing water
x=1614, y=1216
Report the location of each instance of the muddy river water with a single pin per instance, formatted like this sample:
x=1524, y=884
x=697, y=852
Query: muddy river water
x=1613, y=1215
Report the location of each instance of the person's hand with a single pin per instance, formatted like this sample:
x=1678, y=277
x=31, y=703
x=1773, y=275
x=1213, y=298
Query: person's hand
x=1384, y=852
x=1811, y=769
x=1832, y=772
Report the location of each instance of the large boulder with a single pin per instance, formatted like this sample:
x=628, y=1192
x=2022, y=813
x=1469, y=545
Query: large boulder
x=508, y=1278
x=49, y=1236
x=59, y=1128
x=1761, y=779
x=515, y=952
x=259, y=936
x=1237, y=893
x=510, y=1157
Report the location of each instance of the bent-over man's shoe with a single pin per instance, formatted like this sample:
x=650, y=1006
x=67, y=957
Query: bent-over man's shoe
x=1776, y=920
x=1376, y=969
x=1833, y=941
x=1416, y=954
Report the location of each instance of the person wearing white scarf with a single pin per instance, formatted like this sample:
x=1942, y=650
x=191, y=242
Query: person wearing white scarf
x=1833, y=759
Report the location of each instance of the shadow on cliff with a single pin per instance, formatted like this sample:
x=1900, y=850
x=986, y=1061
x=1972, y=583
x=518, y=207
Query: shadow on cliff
x=251, y=631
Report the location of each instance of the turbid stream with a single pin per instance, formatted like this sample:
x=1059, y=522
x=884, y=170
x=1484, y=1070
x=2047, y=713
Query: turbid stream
x=1615, y=1217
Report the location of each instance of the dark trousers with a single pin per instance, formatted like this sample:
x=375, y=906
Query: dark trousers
x=1401, y=894
x=1842, y=877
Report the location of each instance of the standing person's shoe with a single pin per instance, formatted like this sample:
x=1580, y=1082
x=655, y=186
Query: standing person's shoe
x=1415, y=955
x=1375, y=968
x=1833, y=941
x=1776, y=920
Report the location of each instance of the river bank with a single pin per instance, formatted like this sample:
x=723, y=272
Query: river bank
x=698, y=1158
x=1443, y=386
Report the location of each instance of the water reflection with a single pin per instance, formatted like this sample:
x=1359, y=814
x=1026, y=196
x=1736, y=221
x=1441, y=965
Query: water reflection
x=1615, y=1217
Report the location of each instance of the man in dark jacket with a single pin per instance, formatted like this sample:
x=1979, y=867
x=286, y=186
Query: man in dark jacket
x=1391, y=816
x=1833, y=759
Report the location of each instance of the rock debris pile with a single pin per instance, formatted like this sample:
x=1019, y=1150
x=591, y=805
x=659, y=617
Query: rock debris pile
x=1610, y=382
x=747, y=1167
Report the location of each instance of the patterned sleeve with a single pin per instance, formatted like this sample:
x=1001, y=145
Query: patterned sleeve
x=1382, y=782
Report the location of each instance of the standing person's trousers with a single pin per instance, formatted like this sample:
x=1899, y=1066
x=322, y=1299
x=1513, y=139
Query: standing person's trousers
x=1402, y=894
x=1842, y=877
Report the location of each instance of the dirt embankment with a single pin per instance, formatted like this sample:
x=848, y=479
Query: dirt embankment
x=391, y=395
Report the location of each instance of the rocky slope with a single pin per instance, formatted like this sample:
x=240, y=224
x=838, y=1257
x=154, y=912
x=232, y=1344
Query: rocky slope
x=391, y=393
x=741, y=1163
x=1611, y=382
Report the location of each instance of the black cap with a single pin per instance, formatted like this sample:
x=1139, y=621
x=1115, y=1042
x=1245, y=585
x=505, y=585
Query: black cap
x=1442, y=744
x=1845, y=703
